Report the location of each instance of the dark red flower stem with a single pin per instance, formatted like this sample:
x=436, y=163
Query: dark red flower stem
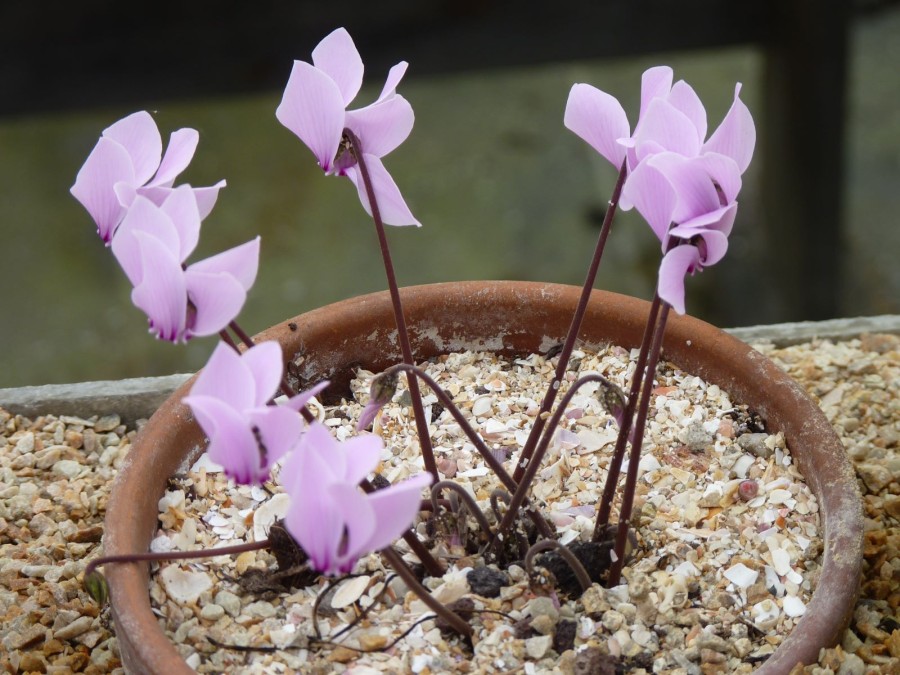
x=604, y=506
x=518, y=496
x=175, y=555
x=447, y=614
x=402, y=334
x=574, y=328
x=432, y=566
x=634, y=459
x=489, y=459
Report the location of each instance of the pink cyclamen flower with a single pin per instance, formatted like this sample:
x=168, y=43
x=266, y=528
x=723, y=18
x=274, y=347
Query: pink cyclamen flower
x=331, y=519
x=672, y=118
x=151, y=245
x=314, y=107
x=230, y=402
x=128, y=161
x=690, y=203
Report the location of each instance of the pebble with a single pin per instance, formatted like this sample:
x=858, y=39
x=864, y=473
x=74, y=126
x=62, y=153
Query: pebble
x=756, y=445
x=212, y=612
x=80, y=625
x=487, y=581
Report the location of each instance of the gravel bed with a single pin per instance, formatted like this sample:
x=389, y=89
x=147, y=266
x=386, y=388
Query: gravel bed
x=55, y=473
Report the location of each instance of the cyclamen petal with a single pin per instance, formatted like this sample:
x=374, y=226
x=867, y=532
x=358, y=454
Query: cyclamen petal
x=181, y=208
x=384, y=125
x=145, y=217
x=162, y=292
x=313, y=108
x=138, y=134
x=336, y=56
x=391, y=205
x=652, y=194
x=736, y=135
x=127, y=162
x=676, y=264
x=216, y=298
x=179, y=153
x=230, y=401
x=241, y=262
x=229, y=376
x=599, y=119
x=107, y=165
x=329, y=517
x=232, y=443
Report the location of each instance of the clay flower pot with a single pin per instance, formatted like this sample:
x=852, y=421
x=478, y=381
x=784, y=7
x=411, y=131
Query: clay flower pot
x=507, y=317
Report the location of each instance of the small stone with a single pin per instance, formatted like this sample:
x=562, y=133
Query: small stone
x=755, y=444
x=67, y=467
x=27, y=638
x=341, y=654
x=107, y=423
x=537, y=647
x=229, y=602
x=260, y=608
x=212, y=612
x=852, y=665
x=350, y=591
x=875, y=476
x=594, y=601
x=592, y=661
x=487, y=581
x=183, y=586
x=696, y=437
x=79, y=626
x=372, y=641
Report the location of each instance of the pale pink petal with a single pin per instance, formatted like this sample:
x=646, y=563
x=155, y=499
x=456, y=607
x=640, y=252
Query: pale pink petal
x=391, y=205
x=216, y=297
x=206, y=198
x=312, y=519
x=181, y=207
x=393, y=79
x=297, y=402
x=241, y=262
x=361, y=455
x=359, y=521
x=126, y=193
x=161, y=294
x=599, y=119
x=692, y=184
x=721, y=220
x=655, y=83
x=368, y=414
x=138, y=134
x=724, y=171
x=665, y=126
x=265, y=364
x=675, y=265
x=149, y=219
x=279, y=430
x=312, y=107
x=395, y=509
x=231, y=442
x=736, y=135
x=182, y=144
x=227, y=378
x=715, y=245
x=650, y=192
x=685, y=99
x=108, y=164
x=337, y=57
x=381, y=127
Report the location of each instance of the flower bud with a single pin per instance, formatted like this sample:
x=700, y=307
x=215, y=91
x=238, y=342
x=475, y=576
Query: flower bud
x=381, y=391
x=96, y=586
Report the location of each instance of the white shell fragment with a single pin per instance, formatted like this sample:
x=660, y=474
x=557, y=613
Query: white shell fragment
x=741, y=575
x=350, y=591
x=793, y=606
x=267, y=513
x=183, y=586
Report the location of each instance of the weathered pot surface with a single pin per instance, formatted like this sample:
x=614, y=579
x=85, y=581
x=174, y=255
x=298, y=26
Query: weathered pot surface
x=509, y=317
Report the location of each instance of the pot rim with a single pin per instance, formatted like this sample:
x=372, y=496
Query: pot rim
x=458, y=315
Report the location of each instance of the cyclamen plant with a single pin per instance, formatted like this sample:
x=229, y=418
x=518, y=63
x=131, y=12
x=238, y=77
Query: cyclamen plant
x=683, y=183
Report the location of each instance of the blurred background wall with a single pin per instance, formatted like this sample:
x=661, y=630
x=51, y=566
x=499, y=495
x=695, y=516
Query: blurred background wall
x=503, y=190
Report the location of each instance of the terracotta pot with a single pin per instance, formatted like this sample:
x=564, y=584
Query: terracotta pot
x=508, y=317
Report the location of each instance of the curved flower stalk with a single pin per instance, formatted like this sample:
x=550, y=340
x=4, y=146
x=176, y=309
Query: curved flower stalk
x=314, y=107
x=329, y=517
x=152, y=244
x=128, y=161
x=230, y=401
